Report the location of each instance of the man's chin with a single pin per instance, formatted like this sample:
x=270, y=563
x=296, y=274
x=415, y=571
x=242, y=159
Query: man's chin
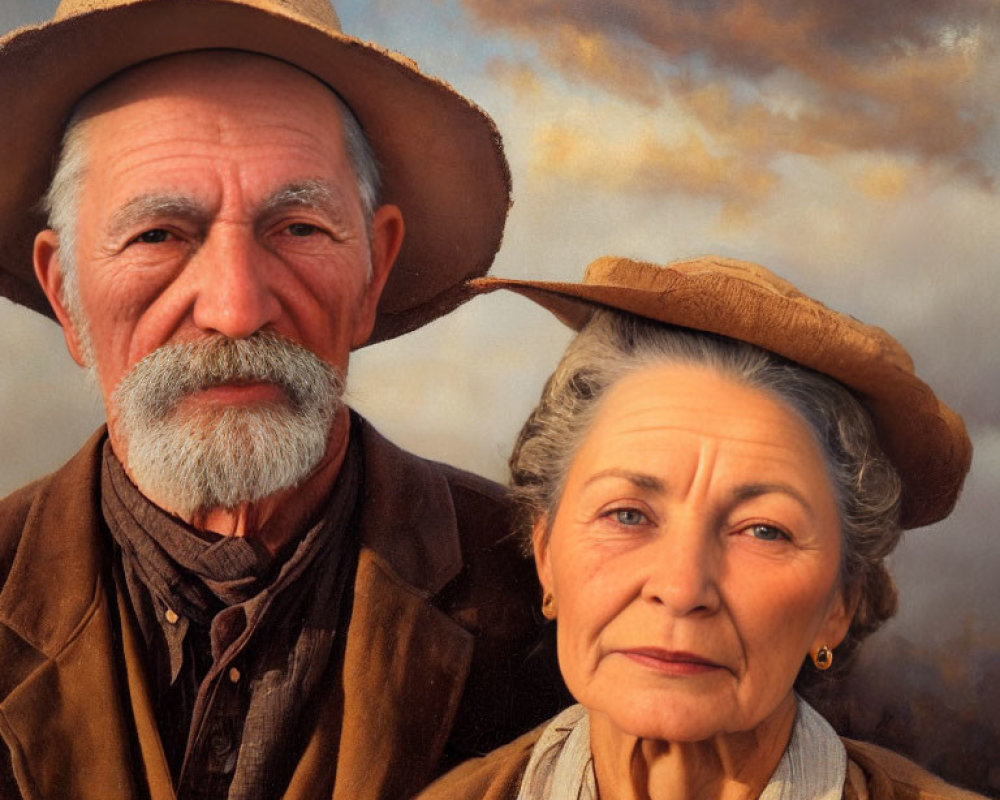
x=223, y=456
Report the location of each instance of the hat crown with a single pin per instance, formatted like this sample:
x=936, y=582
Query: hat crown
x=613, y=270
x=749, y=280
x=318, y=12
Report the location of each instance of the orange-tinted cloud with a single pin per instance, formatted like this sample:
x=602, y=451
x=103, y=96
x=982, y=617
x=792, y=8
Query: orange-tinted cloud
x=519, y=77
x=766, y=77
x=646, y=163
x=884, y=181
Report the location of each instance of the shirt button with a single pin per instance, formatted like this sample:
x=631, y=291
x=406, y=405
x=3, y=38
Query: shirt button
x=234, y=675
x=171, y=616
x=219, y=743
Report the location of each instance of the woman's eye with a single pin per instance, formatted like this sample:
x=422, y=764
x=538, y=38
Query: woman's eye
x=766, y=533
x=629, y=516
x=301, y=229
x=154, y=236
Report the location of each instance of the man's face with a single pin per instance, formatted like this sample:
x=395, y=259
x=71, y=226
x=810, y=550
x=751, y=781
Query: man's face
x=217, y=201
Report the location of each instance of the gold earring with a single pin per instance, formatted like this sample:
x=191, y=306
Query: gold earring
x=549, y=606
x=823, y=658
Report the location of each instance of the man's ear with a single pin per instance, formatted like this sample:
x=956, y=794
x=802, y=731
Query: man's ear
x=49, y=272
x=387, y=231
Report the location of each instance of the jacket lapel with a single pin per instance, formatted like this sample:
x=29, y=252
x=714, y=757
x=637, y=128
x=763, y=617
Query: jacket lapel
x=404, y=670
x=405, y=661
x=62, y=712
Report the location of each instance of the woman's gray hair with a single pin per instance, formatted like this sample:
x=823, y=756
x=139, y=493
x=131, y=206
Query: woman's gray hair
x=615, y=344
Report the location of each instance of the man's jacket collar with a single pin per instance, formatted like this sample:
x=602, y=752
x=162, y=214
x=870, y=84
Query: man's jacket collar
x=408, y=515
x=55, y=577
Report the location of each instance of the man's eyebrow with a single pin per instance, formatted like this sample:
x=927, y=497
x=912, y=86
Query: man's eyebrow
x=313, y=193
x=638, y=479
x=752, y=490
x=146, y=207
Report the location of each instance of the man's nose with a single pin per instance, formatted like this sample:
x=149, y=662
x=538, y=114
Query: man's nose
x=683, y=574
x=235, y=295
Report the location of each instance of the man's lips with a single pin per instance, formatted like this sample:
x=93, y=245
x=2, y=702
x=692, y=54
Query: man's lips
x=242, y=392
x=671, y=662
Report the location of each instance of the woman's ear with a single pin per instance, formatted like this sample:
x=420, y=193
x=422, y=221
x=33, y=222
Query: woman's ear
x=838, y=619
x=540, y=546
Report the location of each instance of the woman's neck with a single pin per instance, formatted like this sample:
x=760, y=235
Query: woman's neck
x=729, y=766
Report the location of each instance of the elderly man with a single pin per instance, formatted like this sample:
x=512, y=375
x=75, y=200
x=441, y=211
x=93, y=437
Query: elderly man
x=239, y=589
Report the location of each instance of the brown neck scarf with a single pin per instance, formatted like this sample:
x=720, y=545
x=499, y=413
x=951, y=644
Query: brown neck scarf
x=237, y=641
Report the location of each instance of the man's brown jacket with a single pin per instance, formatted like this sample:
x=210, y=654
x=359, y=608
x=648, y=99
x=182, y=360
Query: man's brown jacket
x=438, y=663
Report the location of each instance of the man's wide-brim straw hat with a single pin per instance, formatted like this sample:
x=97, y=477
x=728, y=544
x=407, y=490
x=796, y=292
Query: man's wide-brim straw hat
x=441, y=157
x=925, y=440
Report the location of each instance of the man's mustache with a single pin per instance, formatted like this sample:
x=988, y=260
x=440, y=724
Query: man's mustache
x=168, y=374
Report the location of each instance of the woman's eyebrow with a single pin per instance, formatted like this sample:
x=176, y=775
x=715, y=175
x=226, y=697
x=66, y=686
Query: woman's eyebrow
x=748, y=491
x=752, y=490
x=640, y=480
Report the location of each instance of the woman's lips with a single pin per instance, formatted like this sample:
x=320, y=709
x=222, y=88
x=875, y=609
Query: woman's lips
x=671, y=662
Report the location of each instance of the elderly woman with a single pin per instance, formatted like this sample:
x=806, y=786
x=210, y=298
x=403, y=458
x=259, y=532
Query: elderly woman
x=713, y=479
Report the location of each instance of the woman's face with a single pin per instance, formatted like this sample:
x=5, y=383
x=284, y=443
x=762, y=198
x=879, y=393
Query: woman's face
x=693, y=557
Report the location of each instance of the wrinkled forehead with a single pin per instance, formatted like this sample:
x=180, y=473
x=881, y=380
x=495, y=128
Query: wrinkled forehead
x=705, y=401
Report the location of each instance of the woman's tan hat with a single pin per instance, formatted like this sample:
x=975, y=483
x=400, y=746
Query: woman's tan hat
x=925, y=440
x=441, y=157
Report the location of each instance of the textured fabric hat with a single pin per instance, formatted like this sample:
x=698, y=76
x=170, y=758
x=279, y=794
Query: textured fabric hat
x=441, y=157
x=925, y=440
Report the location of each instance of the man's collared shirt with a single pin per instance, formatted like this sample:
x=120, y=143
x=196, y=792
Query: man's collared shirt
x=237, y=642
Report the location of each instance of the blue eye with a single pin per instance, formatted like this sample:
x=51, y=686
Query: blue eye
x=766, y=533
x=629, y=516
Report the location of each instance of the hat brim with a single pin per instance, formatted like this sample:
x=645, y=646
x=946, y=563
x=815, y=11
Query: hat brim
x=441, y=157
x=926, y=441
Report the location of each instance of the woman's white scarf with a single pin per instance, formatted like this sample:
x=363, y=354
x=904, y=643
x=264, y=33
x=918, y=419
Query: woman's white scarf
x=813, y=767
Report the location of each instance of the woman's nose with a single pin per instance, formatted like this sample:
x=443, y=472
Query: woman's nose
x=235, y=297
x=683, y=573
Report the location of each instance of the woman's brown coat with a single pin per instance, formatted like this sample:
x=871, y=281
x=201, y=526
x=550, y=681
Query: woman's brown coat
x=873, y=773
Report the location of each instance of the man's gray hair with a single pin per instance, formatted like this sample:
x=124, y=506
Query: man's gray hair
x=61, y=202
x=613, y=345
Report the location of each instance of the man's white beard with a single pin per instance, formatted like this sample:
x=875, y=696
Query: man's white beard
x=212, y=457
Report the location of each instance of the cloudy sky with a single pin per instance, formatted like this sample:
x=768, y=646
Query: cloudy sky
x=850, y=146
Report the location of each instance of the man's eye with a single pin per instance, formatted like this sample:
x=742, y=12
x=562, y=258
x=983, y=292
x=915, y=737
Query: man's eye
x=154, y=236
x=302, y=229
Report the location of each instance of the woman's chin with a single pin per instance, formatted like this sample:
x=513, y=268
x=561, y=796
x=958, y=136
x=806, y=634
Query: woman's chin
x=681, y=717
x=676, y=721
